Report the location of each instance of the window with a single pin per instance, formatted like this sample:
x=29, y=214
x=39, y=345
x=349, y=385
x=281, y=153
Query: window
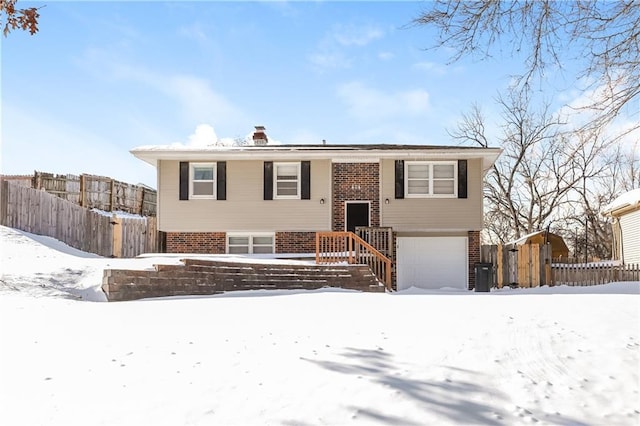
x=431, y=179
x=250, y=243
x=202, y=184
x=287, y=180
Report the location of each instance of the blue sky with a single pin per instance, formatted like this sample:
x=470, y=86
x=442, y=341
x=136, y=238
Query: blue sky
x=101, y=78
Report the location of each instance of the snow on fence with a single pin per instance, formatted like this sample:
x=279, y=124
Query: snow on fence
x=530, y=265
x=593, y=273
x=39, y=212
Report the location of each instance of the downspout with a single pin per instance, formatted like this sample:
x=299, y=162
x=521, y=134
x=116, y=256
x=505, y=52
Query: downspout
x=621, y=239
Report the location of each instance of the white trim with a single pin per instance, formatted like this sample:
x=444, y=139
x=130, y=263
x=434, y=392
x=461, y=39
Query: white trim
x=356, y=202
x=151, y=154
x=213, y=181
x=275, y=180
x=430, y=179
x=355, y=160
x=251, y=236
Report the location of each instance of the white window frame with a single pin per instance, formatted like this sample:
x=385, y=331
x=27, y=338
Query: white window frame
x=192, y=167
x=250, y=236
x=407, y=164
x=275, y=181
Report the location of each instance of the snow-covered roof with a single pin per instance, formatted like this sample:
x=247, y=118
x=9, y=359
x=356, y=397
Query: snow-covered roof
x=628, y=199
x=152, y=153
x=522, y=240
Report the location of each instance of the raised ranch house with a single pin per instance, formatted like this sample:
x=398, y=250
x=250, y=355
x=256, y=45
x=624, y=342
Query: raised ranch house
x=625, y=213
x=275, y=198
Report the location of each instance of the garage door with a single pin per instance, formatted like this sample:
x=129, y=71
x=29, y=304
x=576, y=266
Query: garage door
x=432, y=262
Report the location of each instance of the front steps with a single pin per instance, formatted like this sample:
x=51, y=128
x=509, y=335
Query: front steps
x=203, y=277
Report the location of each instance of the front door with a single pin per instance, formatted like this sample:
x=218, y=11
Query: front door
x=357, y=213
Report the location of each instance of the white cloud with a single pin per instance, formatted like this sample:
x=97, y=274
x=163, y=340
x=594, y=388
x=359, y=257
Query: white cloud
x=578, y=111
x=62, y=147
x=432, y=67
x=204, y=135
x=198, y=100
x=437, y=68
x=353, y=35
x=332, y=50
x=369, y=103
x=385, y=56
x=329, y=60
x=194, y=32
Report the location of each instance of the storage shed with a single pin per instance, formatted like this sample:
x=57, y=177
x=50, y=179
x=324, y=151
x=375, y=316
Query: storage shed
x=559, y=248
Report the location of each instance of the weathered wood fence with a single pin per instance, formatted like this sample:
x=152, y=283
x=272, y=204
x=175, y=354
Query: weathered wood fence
x=41, y=213
x=593, y=273
x=98, y=192
x=530, y=265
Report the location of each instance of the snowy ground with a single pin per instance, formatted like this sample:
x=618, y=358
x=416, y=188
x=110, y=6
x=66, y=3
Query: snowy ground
x=561, y=356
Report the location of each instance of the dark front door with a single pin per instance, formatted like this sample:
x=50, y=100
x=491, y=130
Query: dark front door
x=357, y=215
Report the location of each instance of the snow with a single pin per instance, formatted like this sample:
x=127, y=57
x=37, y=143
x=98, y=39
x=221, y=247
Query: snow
x=627, y=199
x=558, y=356
x=119, y=213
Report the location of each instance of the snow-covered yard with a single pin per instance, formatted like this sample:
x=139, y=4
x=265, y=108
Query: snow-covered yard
x=561, y=356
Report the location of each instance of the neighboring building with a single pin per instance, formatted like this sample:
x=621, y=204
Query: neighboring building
x=625, y=213
x=559, y=249
x=274, y=198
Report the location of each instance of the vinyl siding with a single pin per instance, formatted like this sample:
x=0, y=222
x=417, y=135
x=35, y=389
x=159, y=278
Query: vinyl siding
x=432, y=214
x=244, y=209
x=630, y=225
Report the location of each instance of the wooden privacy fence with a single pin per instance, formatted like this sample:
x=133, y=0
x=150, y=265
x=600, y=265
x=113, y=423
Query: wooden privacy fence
x=527, y=265
x=41, y=213
x=593, y=273
x=343, y=246
x=530, y=265
x=98, y=192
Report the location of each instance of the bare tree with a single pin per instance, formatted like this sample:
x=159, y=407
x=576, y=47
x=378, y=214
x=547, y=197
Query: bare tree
x=604, y=35
x=531, y=184
x=619, y=172
x=12, y=18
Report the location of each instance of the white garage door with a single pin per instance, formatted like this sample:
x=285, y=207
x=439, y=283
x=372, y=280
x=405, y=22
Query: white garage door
x=432, y=262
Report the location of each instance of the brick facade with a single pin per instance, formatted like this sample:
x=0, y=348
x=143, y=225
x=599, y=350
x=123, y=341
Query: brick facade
x=474, y=256
x=355, y=182
x=295, y=242
x=196, y=242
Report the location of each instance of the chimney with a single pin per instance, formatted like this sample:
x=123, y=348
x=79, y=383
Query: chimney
x=259, y=136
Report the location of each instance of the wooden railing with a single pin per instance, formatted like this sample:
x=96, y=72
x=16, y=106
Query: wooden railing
x=335, y=247
x=381, y=238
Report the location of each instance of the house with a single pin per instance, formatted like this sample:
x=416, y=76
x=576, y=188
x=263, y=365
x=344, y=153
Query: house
x=274, y=198
x=625, y=214
x=559, y=249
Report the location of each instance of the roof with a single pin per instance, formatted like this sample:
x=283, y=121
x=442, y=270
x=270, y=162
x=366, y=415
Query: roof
x=629, y=199
x=337, y=153
x=522, y=240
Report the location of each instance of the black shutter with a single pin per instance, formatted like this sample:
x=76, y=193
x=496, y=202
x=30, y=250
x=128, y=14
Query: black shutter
x=221, y=180
x=305, y=171
x=399, y=179
x=462, y=178
x=184, y=180
x=268, y=180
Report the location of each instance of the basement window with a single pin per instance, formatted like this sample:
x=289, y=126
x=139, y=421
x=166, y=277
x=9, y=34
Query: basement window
x=243, y=243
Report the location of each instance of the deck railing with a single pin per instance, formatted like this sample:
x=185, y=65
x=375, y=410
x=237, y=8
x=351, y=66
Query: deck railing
x=342, y=246
x=379, y=237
